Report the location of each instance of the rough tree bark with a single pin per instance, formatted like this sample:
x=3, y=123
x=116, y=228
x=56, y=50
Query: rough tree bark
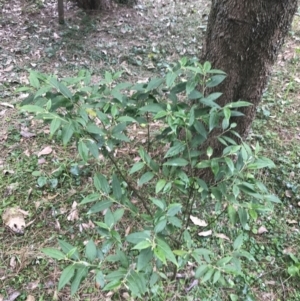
x=243, y=39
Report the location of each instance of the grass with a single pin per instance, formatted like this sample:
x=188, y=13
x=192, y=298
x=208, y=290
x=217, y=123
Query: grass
x=47, y=189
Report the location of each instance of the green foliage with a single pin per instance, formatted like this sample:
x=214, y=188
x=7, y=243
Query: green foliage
x=97, y=117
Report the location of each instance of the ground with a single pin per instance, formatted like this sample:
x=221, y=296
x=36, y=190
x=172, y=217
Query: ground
x=41, y=177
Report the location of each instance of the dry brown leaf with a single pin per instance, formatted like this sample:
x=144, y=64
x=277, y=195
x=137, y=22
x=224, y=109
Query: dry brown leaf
x=9, y=68
x=205, y=233
x=291, y=221
x=12, y=262
x=6, y=104
x=262, y=230
x=198, y=222
x=13, y=218
x=33, y=285
x=41, y=161
x=13, y=296
x=74, y=213
x=46, y=151
x=222, y=236
x=27, y=134
x=288, y=193
x=30, y=298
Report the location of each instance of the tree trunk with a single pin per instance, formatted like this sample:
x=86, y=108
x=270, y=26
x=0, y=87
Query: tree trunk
x=60, y=8
x=243, y=39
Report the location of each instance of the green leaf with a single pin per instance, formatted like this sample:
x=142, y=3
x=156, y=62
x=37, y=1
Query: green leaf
x=112, y=285
x=93, y=148
x=91, y=250
x=126, y=119
x=209, y=100
x=116, y=187
x=215, y=80
x=176, y=162
x=67, y=133
x=54, y=126
x=154, y=83
x=33, y=109
x=152, y=108
x=66, y=248
x=209, y=151
x=54, y=253
x=64, y=90
x=144, y=258
x=170, y=78
x=229, y=163
x=201, y=270
x=160, y=255
x=101, y=183
x=238, y=242
x=100, y=279
x=165, y=248
x=159, y=203
x=207, y=275
x=142, y=245
x=136, y=237
x=83, y=150
x=66, y=276
x=94, y=129
x=217, y=276
x=199, y=127
x=145, y=178
x=238, y=104
x=120, y=127
x=232, y=214
x=34, y=81
x=175, y=150
x=136, y=167
x=98, y=207
x=136, y=283
x=261, y=163
x=90, y=198
x=243, y=216
x=173, y=209
x=160, y=185
x=81, y=272
x=161, y=225
x=213, y=120
x=272, y=198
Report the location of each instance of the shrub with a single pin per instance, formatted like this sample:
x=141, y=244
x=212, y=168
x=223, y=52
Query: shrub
x=172, y=201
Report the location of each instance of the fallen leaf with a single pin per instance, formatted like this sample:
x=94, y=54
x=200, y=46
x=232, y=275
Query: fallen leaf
x=288, y=193
x=56, y=36
x=13, y=296
x=12, y=262
x=30, y=298
x=26, y=134
x=26, y=153
x=33, y=285
x=46, y=151
x=41, y=161
x=6, y=104
x=290, y=221
x=205, y=233
x=262, y=230
x=13, y=218
x=198, y=222
x=9, y=68
x=74, y=213
x=222, y=236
